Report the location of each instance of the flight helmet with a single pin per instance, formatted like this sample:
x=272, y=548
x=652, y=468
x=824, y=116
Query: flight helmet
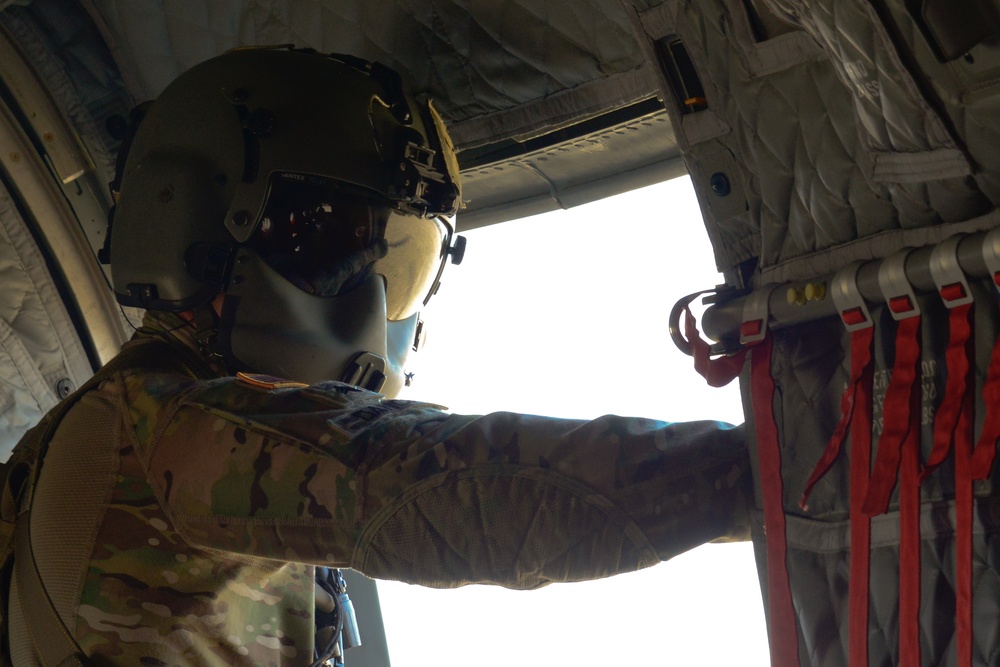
x=307, y=188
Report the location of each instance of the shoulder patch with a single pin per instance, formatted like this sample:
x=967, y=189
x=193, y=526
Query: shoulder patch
x=353, y=421
x=268, y=382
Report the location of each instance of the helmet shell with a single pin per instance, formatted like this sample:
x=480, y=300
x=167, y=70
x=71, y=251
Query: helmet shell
x=194, y=184
x=196, y=176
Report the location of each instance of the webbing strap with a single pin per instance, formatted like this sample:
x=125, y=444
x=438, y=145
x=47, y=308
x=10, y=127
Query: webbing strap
x=783, y=631
x=899, y=453
x=897, y=409
x=53, y=642
x=970, y=465
x=860, y=563
x=50, y=637
x=783, y=634
x=909, y=548
x=986, y=446
x=856, y=415
x=717, y=372
x=953, y=431
x=861, y=356
x=957, y=364
x=964, y=509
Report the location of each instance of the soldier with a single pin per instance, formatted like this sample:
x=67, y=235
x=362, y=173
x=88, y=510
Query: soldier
x=282, y=218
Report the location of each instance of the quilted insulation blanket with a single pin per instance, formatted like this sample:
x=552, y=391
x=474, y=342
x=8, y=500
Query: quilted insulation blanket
x=846, y=153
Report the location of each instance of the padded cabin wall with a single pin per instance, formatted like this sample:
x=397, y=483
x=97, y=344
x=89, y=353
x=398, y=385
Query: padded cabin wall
x=70, y=56
x=831, y=146
x=777, y=126
x=57, y=315
x=41, y=358
x=855, y=143
x=927, y=148
x=938, y=168
x=832, y=169
x=964, y=88
x=511, y=68
x=914, y=150
x=509, y=73
x=706, y=143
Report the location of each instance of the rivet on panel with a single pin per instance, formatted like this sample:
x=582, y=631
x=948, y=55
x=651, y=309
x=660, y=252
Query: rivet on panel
x=720, y=184
x=64, y=388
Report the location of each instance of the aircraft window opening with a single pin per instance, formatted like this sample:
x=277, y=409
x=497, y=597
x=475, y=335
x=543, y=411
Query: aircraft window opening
x=551, y=304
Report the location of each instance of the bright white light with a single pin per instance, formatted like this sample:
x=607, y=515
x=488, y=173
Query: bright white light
x=566, y=314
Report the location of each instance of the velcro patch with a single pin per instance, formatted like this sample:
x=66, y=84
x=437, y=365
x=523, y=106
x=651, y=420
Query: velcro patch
x=268, y=382
x=352, y=422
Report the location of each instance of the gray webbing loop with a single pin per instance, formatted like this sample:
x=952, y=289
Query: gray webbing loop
x=49, y=635
x=53, y=642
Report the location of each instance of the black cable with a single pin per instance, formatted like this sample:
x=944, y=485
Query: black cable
x=128, y=320
x=331, y=646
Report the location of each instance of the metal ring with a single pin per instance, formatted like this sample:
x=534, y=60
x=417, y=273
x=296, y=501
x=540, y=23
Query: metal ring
x=675, y=319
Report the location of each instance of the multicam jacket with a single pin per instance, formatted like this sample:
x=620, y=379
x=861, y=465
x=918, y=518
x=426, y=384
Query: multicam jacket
x=177, y=513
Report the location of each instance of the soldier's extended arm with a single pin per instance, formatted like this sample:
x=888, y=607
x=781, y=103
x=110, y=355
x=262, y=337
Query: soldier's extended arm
x=401, y=490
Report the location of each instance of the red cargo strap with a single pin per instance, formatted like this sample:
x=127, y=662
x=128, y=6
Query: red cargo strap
x=957, y=364
x=856, y=412
x=899, y=452
x=861, y=356
x=783, y=631
x=783, y=635
x=964, y=509
x=986, y=446
x=909, y=545
x=897, y=418
x=861, y=452
x=953, y=425
x=717, y=372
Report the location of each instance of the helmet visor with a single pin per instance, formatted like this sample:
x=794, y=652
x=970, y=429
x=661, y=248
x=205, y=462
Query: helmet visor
x=311, y=225
x=418, y=248
x=326, y=237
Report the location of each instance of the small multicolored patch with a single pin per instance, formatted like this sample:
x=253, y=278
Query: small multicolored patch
x=268, y=382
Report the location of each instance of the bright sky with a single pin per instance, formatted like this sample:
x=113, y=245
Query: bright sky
x=565, y=314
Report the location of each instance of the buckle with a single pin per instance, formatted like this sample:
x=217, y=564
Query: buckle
x=851, y=306
x=991, y=255
x=896, y=288
x=947, y=273
x=755, y=315
x=366, y=370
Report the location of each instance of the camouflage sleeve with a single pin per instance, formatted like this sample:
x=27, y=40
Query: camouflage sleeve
x=406, y=491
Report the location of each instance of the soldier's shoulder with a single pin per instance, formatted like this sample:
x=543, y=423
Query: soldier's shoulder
x=259, y=393
x=303, y=412
x=151, y=394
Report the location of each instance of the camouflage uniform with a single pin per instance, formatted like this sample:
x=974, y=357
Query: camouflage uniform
x=176, y=516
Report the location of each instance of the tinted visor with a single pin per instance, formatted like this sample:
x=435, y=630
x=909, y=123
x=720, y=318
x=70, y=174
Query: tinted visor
x=326, y=237
x=311, y=225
